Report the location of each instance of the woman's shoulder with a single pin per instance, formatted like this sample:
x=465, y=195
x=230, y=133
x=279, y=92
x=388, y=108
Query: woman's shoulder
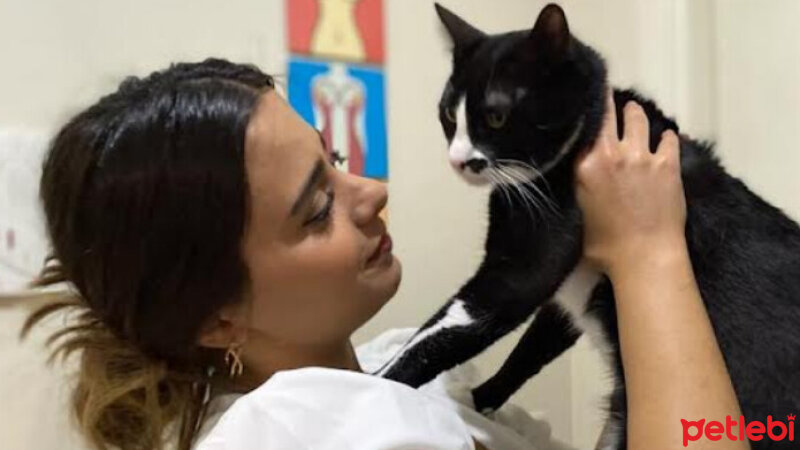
x=330, y=409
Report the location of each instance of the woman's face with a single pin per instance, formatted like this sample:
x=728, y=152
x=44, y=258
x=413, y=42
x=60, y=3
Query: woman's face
x=316, y=249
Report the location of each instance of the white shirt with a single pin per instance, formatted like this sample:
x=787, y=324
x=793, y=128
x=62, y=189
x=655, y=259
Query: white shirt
x=329, y=409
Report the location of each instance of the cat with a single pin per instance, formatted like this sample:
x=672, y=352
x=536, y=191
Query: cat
x=515, y=110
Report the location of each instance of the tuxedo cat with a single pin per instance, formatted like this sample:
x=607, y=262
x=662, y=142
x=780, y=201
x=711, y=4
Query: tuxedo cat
x=515, y=110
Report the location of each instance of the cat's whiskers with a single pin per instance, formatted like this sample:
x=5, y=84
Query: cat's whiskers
x=526, y=174
x=523, y=181
x=529, y=202
x=538, y=175
x=493, y=178
x=544, y=195
x=502, y=181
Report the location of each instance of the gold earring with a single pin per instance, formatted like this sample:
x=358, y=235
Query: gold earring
x=233, y=361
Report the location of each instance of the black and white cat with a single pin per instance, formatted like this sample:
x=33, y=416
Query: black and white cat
x=515, y=110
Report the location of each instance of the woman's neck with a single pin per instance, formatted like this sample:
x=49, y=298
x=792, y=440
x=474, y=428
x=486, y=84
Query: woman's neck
x=261, y=364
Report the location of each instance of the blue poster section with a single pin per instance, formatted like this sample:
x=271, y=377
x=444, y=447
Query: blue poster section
x=303, y=71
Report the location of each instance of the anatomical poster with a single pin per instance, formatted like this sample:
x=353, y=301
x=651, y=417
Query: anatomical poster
x=336, y=79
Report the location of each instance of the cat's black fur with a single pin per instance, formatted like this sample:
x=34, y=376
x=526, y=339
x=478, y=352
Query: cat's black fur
x=546, y=86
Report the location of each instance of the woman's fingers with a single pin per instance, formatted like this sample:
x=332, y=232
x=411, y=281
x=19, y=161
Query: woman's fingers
x=628, y=196
x=637, y=127
x=604, y=148
x=584, y=165
x=669, y=148
x=609, y=130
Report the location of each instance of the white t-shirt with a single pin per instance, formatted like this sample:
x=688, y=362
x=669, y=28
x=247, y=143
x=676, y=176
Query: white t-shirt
x=330, y=409
x=327, y=409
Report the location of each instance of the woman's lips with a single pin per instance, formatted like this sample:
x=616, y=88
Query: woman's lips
x=384, y=247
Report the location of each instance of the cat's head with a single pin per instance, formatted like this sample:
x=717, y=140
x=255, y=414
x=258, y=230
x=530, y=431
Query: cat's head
x=515, y=106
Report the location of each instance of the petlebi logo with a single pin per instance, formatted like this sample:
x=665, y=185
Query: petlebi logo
x=740, y=430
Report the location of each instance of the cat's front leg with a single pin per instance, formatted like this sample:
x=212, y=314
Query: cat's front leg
x=524, y=265
x=491, y=304
x=548, y=336
x=456, y=333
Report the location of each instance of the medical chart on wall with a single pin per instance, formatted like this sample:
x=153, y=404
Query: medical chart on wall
x=336, y=78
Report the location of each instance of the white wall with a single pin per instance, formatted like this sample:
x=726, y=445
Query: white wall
x=757, y=96
x=58, y=57
x=726, y=68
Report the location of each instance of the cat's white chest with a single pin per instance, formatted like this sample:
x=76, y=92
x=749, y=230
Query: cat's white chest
x=573, y=296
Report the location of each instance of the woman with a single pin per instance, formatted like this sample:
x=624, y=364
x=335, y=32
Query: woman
x=213, y=248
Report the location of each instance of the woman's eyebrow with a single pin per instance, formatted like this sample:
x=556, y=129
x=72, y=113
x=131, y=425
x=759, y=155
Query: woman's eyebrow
x=308, y=186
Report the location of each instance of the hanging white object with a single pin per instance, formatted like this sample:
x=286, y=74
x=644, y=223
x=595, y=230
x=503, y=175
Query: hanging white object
x=23, y=245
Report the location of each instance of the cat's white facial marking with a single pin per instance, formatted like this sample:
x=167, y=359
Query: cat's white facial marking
x=465, y=159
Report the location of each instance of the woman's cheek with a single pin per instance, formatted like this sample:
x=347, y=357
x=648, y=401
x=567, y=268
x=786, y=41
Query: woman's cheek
x=314, y=286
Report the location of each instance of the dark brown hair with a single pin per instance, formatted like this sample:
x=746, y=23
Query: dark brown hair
x=145, y=200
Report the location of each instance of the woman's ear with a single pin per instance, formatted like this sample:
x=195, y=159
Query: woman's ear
x=225, y=327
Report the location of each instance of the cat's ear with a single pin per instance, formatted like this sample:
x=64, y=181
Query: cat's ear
x=551, y=32
x=462, y=33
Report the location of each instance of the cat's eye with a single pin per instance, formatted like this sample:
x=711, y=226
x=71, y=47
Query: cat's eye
x=450, y=114
x=496, y=119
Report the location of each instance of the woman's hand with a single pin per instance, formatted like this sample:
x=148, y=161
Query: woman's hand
x=632, y=200
x=634, y=219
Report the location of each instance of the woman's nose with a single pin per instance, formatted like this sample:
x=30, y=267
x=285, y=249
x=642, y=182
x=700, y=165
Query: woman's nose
x=370, y=199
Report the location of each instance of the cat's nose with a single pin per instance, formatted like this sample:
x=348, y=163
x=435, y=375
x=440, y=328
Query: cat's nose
x=476, y=164
x=457, y=164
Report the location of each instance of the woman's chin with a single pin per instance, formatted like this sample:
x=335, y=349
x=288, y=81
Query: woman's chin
x=392, y=275
x=397, y=272
x=385, y=279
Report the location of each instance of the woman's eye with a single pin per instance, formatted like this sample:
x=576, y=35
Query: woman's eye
x=496, y=119
x=323, y=213
x=450, y=114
